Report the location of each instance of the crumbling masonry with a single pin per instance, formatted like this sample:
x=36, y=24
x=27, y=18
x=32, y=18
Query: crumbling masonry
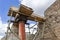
x=51, y=24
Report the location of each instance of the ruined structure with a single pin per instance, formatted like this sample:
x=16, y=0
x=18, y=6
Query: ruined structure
x=52, y=23
x=52, y=15
x=50, y=28
x=13, y=34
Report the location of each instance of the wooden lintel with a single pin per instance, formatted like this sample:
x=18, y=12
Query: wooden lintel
x=26, y=11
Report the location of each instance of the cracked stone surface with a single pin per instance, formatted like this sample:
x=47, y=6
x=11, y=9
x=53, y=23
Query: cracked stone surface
x=52, y=23
x=52, y=15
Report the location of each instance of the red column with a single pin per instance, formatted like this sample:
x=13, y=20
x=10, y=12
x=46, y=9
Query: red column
x=22, y=34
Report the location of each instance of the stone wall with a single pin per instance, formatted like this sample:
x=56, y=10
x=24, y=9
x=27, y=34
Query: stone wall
x=14, y=35
x=47, y=35
x=52, y=23
x=10, y=36
x=52, y=15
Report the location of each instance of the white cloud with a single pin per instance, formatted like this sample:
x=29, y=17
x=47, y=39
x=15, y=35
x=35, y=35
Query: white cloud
x=3, y=28
x=1, y=37
x=39, y=6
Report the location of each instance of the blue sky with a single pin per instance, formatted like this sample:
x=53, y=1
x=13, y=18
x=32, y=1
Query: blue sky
x=5, y=5
x=4, y=8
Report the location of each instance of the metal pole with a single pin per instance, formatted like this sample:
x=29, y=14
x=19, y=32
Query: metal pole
x=9, y=25
x=29, y=32
x=22, y=34
x=43, y=29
